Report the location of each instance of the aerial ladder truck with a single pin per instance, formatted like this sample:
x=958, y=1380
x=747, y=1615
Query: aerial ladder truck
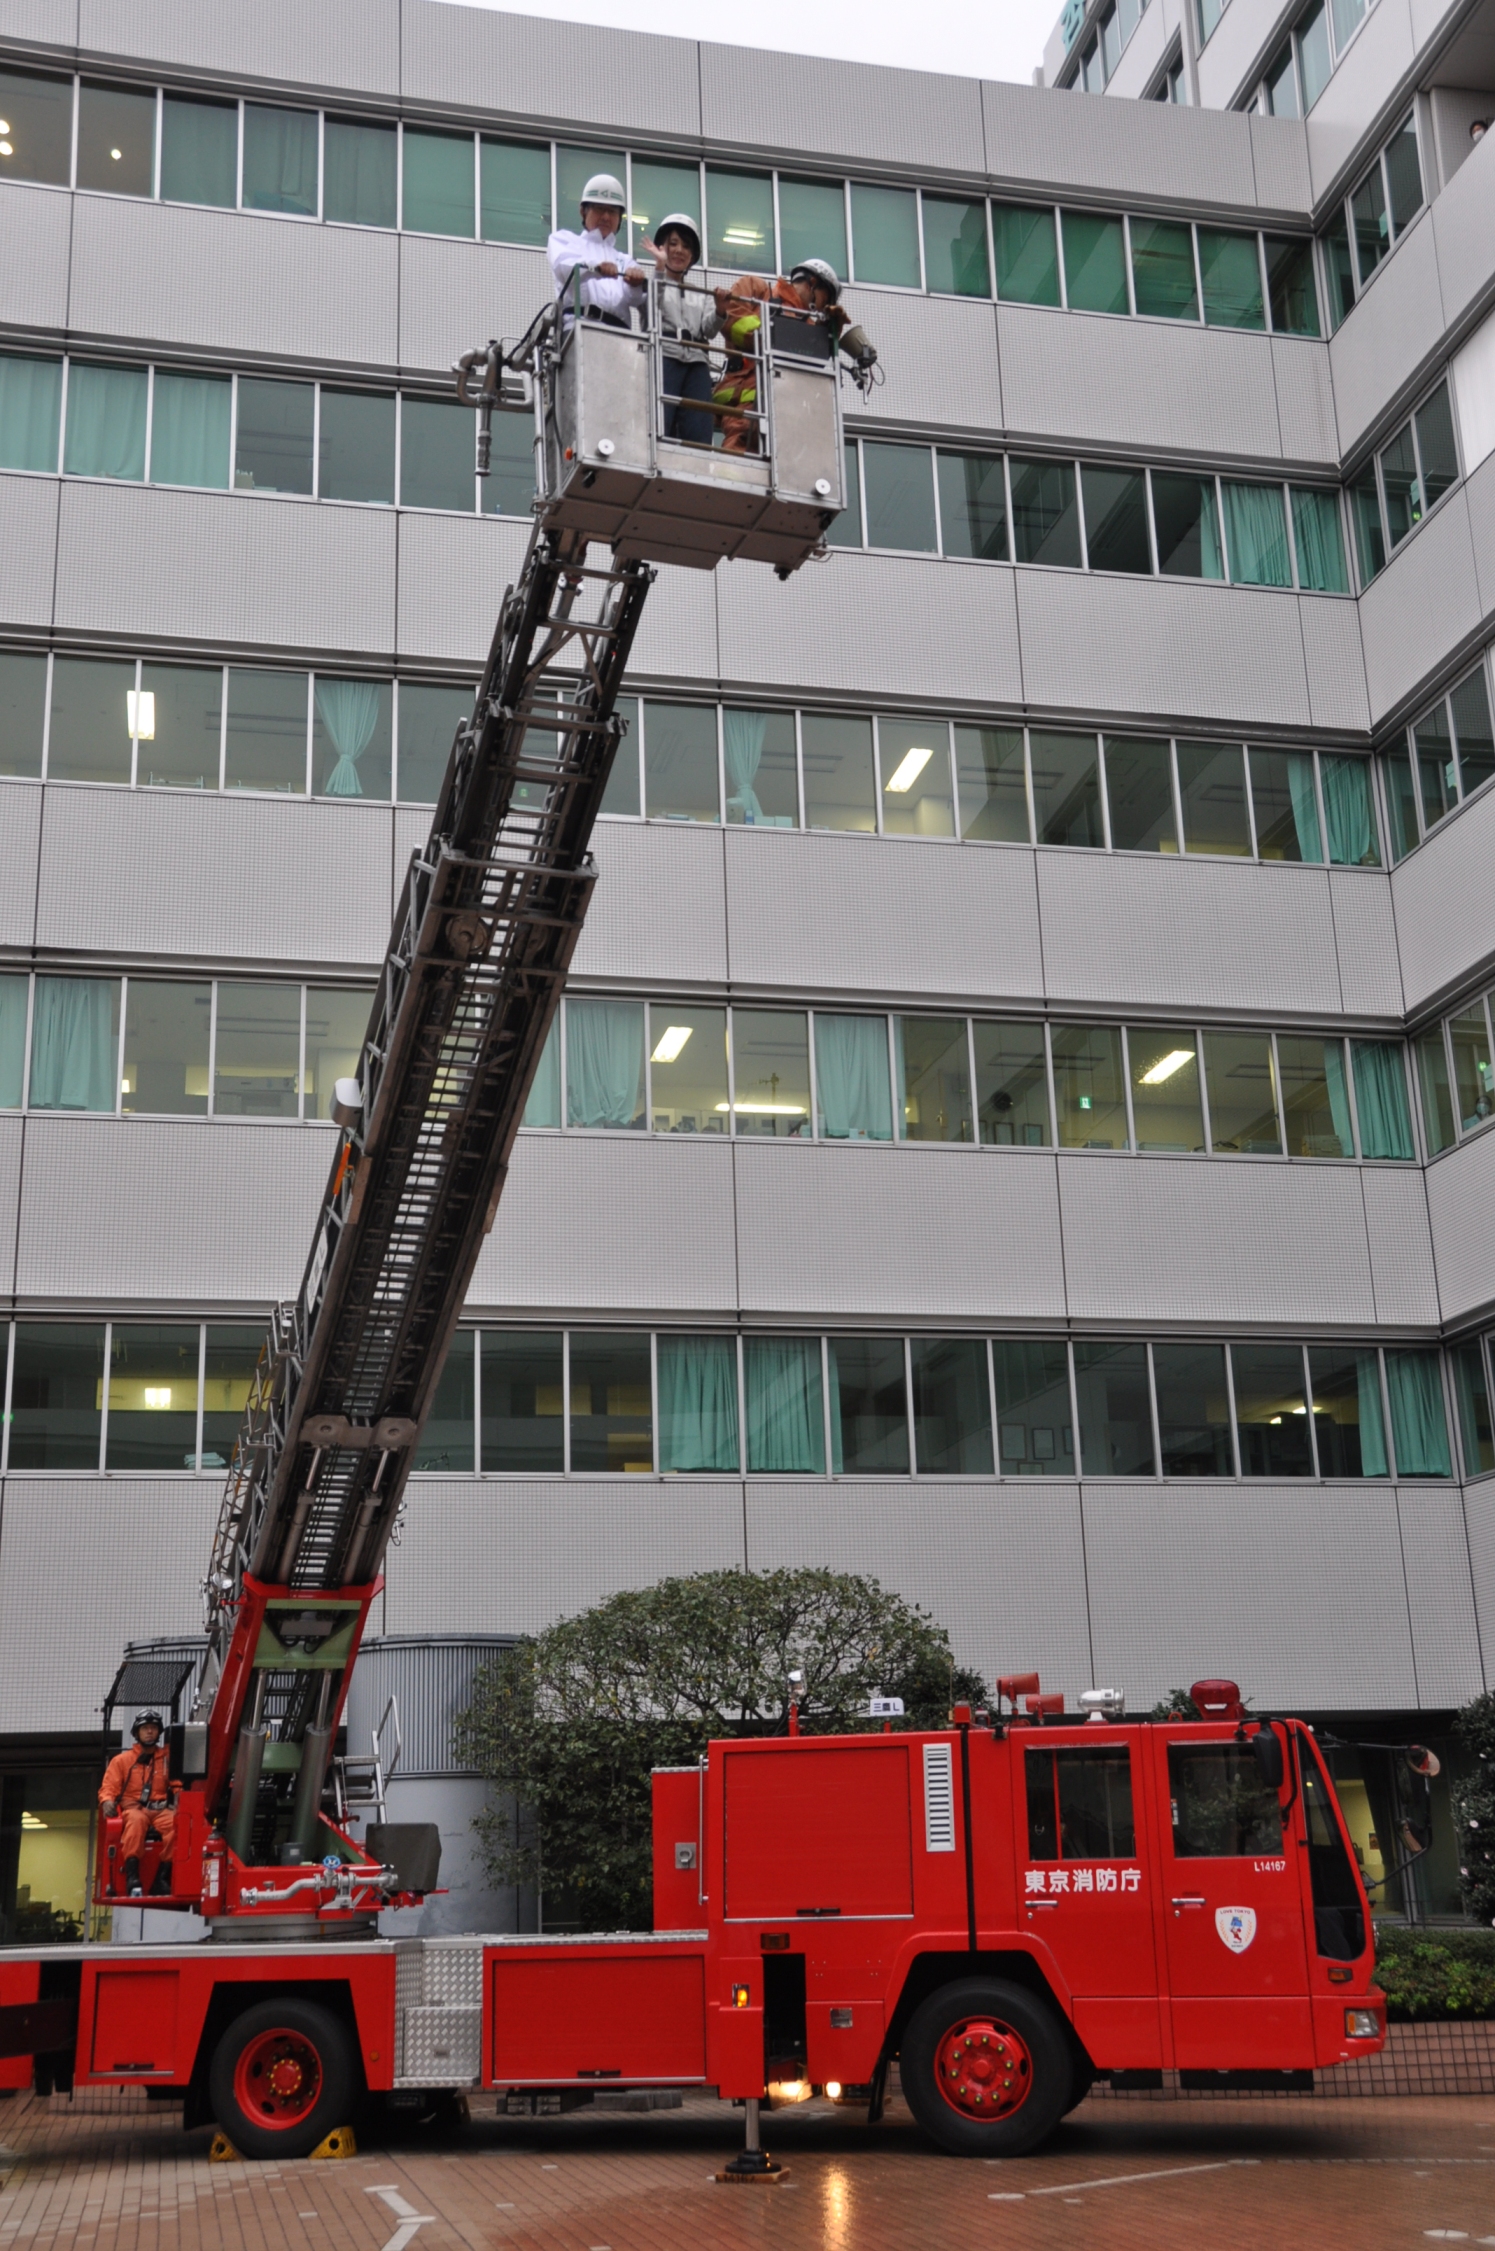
x=1008, y=1906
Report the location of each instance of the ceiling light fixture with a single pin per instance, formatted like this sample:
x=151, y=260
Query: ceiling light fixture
x=766, y=1109
x=908, y=769
x=30, y=1821
x=116, y=154
x=1166, y=1065
x=6, y=149
x=671, y=1040
x=140, y=713
x=750, y=237
x=158, y=1395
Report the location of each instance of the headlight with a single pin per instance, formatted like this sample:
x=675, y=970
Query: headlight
x=1362, y=2024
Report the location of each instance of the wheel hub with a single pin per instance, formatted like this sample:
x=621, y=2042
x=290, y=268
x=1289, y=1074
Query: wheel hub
x=983, y=2068
x=278, y=2078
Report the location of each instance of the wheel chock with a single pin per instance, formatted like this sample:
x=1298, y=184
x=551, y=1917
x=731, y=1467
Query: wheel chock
x=341, y=2142
x=223, y=2152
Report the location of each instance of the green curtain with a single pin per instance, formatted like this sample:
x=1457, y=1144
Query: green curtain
x=1256, y=535
x=742, y=746
x=851, y=1064
x=75, y=1043
x=1419, y=1428
x=544, y=1105
x=190, y=430
x=105, y=422
x=1349, y=811
x=1316, y=528
x=12, y=1041
x=1381, y=1098
x=349, y=710
x=604, y=1062
x=30, y=402
x=785, y=1406
x=1373, y=1461
x=1305, y=805
x=280, y=160
x=1339, y=1098
x=698, y=1404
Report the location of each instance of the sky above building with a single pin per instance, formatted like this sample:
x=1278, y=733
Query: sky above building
x=972, y=38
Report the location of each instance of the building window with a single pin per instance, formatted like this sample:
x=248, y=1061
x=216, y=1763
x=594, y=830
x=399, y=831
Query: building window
x=1372, y=219
x=1445, y=756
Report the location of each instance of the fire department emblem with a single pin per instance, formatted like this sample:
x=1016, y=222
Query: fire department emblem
x=1237, y=1927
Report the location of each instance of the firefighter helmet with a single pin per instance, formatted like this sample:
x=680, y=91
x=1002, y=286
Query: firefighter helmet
x=148, y=1719
x=818, y=270
x=603, y=188
x=681, y=223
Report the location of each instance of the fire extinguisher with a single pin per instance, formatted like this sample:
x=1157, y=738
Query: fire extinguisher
x=212, y=1874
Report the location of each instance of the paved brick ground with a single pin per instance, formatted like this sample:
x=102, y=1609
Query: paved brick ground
x=111, y=2173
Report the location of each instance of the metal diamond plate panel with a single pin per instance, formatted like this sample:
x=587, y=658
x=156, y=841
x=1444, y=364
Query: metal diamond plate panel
x=440, y=2047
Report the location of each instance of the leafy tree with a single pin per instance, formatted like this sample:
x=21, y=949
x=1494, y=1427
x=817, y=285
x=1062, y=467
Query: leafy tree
x=570, y=1724
x=1473, y=1797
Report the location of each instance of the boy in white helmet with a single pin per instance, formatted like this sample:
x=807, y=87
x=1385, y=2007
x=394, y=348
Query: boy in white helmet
x=611, y=289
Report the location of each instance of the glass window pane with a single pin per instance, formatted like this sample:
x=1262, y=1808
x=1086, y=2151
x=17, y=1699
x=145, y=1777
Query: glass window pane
x=199, y=151
x=935, y=1072
x=1221, y=1806
x=1035, y=1429
x=762, y=767
x=1012, y=1085
x=688, y=1068
x=1115, y=1409
x=1470, y=702
x=1365, y=514
x=274, y=443
x=14, y=997
x=993, y=784
x=30, y=410
x=515, y=188
x=1404, y=175
x=1286, y=809
x=605, y=1064
x=655, y=190
x=612, y=1420
x=1436, y=772
x=510, y=486
x=973, y=505
x=853, y=1091
x=89, y=738
x=57, y=1392
x=1319, y=541
x=812, y=223
x=23, y=706
x=1165, y=1087
x=1066, y=788
x=231, y=1358
x=1381, y=1099
x=355, y=445
x=1193, y=1410
x=1469, y=1041
x=1290, y=285
x=739, y=212
x=1404, y=504
x=1339, y=272
x=543, y=1107
x=573, y=168
x=1116, y=519
x=1163, y=269
x=1089, y=1086
x=1347, y=1420
x=698, y=1405
x=680, y=778
x=952, y=1408
x=337, y=1021
x=1345, y=16
x=1230, y=270
x=75, y=1044
x=280, y=159
x=1242, y=1096
x=1271, y=1409
x=840, y=787
x=785, y=1406
x=257, y=1055
x=1045, y=513
x=429, y=718
x=1472, y=1393
x=914, y=761
x=449, y=1439
x=1187, y=522
x=885, y=234
x=1282, y=86
x=116, y=140
x=1437, y=1092
x=438, y=182
x=846, y=531
x=955, y=260
x=1419, y=1428
x=105, y=422
x=359, y=173
x=38, y=116
x=438, y=455
x=770, y=1072
x=900, y=497
x=869, y=1407
x=523, y=1420
x=1094, y=264
x=1435, y=446
x=1349, y=811
x=178, y=725
x=191, y=418
x=1139, y=787
x=1256, y=534
x=266, y=746
x=1314, y=1098
x=166, y=1049
x=152, y=1396
x=1027, y=254
x=1371, y=222
x=1080, y=1803
x=1212, y=784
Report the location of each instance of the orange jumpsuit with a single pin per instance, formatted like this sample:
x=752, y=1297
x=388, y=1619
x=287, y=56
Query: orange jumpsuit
x=742, y=318
x=131, y=1779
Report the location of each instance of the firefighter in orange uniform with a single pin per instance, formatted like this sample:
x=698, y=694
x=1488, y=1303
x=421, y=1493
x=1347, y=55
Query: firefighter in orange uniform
x=808, y=322
x=137, y=1785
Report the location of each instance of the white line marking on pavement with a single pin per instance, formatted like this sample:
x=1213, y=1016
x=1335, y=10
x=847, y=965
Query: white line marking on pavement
x=410, y=2220
x=1118, y=2180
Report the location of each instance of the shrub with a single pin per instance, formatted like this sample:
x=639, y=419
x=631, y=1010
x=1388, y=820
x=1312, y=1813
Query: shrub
x=1428, y=1974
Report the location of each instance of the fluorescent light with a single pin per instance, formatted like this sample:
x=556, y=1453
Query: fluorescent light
x=672, y=1039
x=116, y=154
x=4, y=124
x=6, y=149
x=1166, y=1065
x=750, y=236
x=30, y=1821
x=767, y=1109
x=908, y=769
x=140, y=713
x=158, y=1395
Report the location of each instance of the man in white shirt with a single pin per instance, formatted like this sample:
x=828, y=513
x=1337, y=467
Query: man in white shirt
x=609, y=290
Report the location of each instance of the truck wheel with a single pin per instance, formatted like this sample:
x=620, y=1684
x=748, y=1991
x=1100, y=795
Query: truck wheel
x=985, y=2068
x=282, y=2077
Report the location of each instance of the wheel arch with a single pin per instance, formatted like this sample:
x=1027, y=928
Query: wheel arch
x=234, y=1997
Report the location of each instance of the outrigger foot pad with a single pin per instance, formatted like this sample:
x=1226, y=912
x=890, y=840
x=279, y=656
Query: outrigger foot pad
x=753, y=2165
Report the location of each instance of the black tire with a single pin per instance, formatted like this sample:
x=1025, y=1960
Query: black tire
x=1020, y=2060
x=1081, y=2082
x=282, y=2077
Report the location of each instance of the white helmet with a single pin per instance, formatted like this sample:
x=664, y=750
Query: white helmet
x=818, y=270
x=603, y=188
x=680, y=222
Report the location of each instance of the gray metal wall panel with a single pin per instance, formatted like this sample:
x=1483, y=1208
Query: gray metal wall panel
x=1174, y=1239
x=12, y=1143
x=522, y=66
x=1305, y=396
x=1227, y=56
x=129, y=1211
x=1401, y=1252
x=340, y=43
x=412, y=826
x=679, y=636
x=892, y=917
x=284, y=574
x=939, y=355
x=1365, y=941
x=35, y=241
x=1479, y=1515
x=452, y=575
x=1461, y=1211
x=873, y=625
x=862, y=112
x=20, y=834
x=1440, y=1596
x=1155, y=933
x=77, y=1581
x=1175, y=1593
x=1337, y=693
x=1377, y=60
x=28, y=548
x=1423, y=605
x=1279, y=155
x=912, y=1233
x=1464, y=236
x=604, y=1223
x=232, y=281
x=1002, y=1571
x=1387, y=336
x=1160, y=384
x=660, y=912
x=455, y=295
x=197, y=877
x=1479, y=493
x=1441, y=897
x=43, y=23
x=508, y=1557
x=1131, y=150
x=1161, y=649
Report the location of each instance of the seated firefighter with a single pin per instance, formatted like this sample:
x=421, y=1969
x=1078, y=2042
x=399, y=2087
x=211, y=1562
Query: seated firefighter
x=137, y=1785
x=612, y=287
x=807, y=319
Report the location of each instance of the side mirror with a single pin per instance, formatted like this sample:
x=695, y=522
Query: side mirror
x=1266, y=1747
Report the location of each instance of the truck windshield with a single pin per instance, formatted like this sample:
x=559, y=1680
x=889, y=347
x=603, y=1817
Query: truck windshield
x=1221, y=1807
x=1338, y=1916
x=1080, y=1804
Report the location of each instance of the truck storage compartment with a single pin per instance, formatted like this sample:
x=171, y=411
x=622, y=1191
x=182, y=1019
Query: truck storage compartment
x=628, y=2017
x=818, y=1833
